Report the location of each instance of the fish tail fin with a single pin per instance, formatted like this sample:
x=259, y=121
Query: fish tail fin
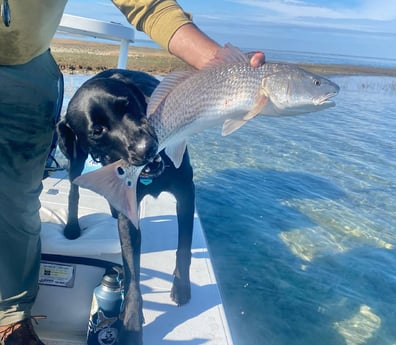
x=107, y=182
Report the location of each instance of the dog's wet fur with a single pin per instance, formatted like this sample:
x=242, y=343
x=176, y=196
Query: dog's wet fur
x=106, y=118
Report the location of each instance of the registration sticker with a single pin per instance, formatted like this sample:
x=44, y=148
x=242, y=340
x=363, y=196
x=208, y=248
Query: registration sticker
x=57, y=274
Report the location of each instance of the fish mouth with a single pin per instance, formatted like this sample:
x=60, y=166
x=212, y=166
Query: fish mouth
x=325, y=100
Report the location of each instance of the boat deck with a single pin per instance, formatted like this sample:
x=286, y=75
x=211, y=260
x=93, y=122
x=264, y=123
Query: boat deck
x=201, y=321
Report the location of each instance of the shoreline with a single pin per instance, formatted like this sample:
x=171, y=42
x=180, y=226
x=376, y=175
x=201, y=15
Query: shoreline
x=86, y=57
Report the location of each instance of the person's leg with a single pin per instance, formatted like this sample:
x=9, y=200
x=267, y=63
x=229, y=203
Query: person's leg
x=28, y=102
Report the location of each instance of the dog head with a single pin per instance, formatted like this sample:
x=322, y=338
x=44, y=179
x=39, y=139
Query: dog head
x=107, y=119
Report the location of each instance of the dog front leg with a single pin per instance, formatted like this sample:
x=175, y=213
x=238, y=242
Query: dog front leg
x=185, y=207
x=132, y=314
x=72, y=229
x=71, y=148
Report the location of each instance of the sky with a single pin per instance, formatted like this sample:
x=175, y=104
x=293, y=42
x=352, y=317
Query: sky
x=348, y=27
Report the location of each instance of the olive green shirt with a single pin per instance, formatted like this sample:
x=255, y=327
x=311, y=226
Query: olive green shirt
x=34, y=23
x=159, y=19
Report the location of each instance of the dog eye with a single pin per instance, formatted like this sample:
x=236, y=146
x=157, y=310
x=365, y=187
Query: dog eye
x=97, y=130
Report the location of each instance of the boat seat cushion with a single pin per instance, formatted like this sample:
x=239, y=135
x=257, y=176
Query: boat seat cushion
x=99, y=234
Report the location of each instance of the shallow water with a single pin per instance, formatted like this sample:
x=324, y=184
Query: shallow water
x=300, y=217
x=299, y=213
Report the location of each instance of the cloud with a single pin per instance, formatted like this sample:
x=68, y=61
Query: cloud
x=353, y=27
x=358, y=15
x=380, y=10
x=290, y=8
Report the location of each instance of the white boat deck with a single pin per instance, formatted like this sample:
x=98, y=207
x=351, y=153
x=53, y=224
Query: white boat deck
x=201, y=321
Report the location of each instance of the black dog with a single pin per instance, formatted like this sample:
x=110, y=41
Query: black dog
x=106, y=119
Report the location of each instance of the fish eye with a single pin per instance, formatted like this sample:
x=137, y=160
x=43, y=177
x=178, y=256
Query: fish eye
x=316, y=82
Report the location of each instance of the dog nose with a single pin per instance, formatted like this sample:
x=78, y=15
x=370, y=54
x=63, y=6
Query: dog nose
x=145, y=149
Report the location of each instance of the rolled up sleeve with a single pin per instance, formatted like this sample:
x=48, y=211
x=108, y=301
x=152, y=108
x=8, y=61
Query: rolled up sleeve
x=159, y=19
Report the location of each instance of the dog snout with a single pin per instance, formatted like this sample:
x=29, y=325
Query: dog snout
x=144, y=150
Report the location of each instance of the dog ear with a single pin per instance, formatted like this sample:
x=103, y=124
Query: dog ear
x=139, y=99
x=66, y=139
x=120, y=104
x=69, y=143
x=70, y=147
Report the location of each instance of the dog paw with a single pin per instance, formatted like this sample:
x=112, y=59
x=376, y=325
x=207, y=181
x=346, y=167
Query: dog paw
x=72, y=231
x=181, y=292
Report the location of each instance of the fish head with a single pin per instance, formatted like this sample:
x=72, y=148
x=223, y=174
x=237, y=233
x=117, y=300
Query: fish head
x=115, y=125
x=293, y=90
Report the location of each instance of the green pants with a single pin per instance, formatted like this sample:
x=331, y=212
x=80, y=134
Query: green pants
x=28, y=105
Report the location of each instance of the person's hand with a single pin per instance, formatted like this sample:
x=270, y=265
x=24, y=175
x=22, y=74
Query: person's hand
x=198, y=50
x=257, y=58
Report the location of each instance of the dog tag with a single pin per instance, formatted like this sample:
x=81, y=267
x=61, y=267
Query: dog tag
x=146, y=181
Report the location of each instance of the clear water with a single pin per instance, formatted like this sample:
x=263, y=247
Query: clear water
x=300, y=217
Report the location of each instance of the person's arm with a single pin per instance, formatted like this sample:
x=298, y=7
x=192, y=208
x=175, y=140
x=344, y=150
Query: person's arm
x=197, y=49
x=159, y=19
x=172, y=28
x=192, y=46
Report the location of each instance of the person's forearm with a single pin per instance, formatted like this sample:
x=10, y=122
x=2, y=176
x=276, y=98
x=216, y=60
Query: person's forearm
x=192, y=46
x=197, y=49
x=168, y=25
x=172, y=28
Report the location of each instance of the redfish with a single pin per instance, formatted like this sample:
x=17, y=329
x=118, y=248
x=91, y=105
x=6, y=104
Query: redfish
x=228, y=92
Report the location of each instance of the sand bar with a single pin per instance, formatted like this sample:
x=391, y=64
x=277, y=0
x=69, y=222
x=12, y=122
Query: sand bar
x=74, y=56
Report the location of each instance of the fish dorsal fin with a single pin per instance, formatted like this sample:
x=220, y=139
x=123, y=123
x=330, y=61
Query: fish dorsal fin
x=165, y=87
x=228, y=55
x=231, y=125
x=107, y=182
x=176, y=152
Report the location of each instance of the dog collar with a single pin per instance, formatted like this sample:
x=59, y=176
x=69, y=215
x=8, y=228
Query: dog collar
x=145, y=180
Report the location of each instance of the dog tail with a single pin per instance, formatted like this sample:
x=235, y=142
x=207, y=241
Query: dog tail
x=107, y=182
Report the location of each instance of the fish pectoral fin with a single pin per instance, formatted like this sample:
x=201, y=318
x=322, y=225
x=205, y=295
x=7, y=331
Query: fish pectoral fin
x=165, y=87
x=261, y=102
x=231, y=125
x=107, y=182
x=176, y=152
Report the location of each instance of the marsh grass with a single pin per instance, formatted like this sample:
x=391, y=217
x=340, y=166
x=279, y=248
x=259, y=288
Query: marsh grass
x=91, y=57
